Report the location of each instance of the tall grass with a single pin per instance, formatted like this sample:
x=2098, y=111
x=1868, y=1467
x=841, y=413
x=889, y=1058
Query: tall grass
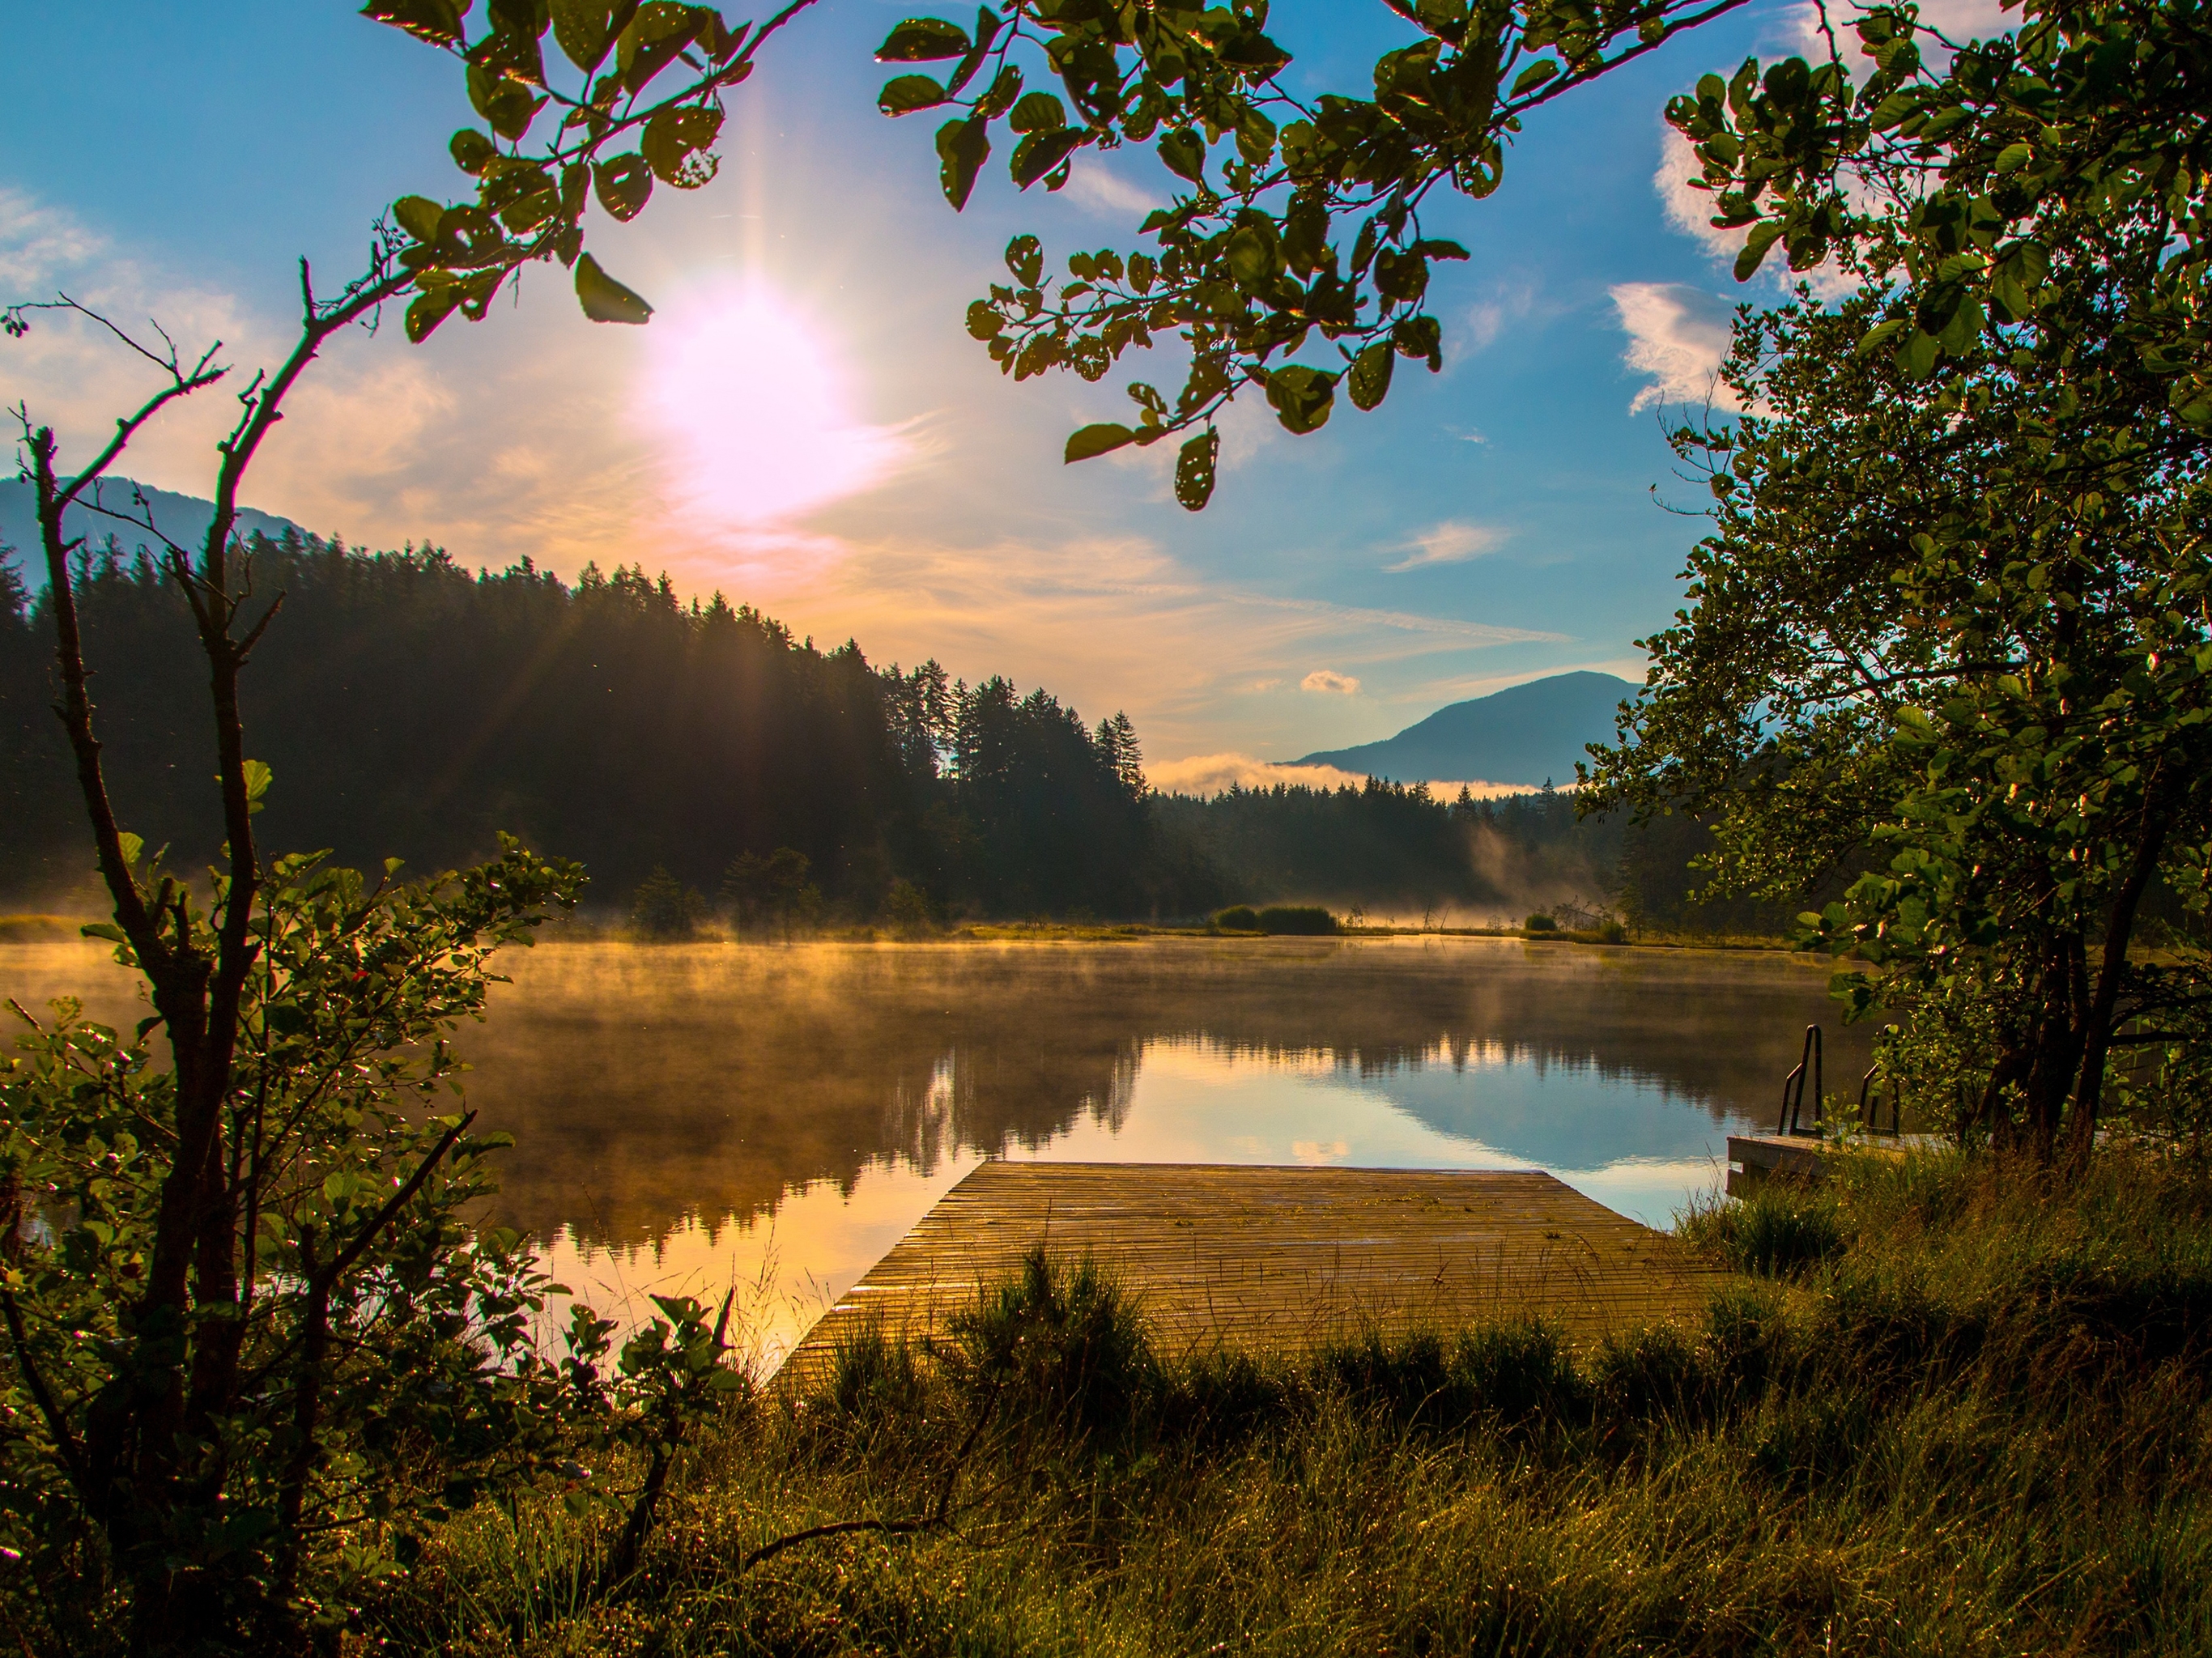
x=1947, y=1409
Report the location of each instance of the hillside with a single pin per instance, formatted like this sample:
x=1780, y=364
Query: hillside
x=1528, y=734
x=181, y=517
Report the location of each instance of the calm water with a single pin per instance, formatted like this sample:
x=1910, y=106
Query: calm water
x=689, y=1116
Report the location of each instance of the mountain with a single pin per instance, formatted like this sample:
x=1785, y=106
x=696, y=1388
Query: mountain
x=1528, y=734
x=181, y=517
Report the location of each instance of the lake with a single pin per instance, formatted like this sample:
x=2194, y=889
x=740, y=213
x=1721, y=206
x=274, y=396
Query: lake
x=689, y=1116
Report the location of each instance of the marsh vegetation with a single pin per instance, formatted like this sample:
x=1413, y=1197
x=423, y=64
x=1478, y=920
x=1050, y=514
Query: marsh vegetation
x=1949, y=1408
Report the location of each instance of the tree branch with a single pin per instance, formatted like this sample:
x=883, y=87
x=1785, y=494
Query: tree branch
x=64, y=1441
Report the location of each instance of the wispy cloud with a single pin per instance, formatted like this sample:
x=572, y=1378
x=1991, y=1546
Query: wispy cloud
x=1093, y=185
x=1509, y=302
x=1678, y=336
x=1330, y=681
x=41, y=244
x=1452, y=542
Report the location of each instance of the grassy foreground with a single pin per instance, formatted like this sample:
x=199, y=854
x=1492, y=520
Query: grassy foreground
x=1951, y=1409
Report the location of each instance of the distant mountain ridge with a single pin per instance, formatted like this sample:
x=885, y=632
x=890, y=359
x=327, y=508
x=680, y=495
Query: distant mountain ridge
x=1526, y=734
x=181, y=517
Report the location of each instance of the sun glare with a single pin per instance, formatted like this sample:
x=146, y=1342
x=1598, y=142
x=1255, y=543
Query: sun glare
x=757, y=414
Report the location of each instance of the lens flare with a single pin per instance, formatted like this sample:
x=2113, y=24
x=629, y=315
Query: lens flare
x=756, y=414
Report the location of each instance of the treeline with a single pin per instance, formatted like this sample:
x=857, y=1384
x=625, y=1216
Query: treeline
x=408, y=707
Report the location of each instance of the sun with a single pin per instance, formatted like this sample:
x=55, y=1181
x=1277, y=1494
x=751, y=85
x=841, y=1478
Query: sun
x=756, y=413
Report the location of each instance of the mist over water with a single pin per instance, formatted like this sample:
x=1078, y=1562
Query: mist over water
x=687, y=1116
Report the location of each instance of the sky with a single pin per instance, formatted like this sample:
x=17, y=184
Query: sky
x=805, y=425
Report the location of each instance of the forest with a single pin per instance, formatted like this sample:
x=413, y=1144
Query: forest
x=410, y=708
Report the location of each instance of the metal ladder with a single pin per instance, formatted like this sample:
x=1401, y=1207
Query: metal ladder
x=1808, y=1070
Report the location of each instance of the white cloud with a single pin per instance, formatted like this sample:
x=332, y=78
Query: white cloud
x=1678, y=336
x=1487, y=319
x=41, y=244
x=1329, y=681
x=1956, y=20
x=1691, y=211
x=1092, y=187
x=1452, y=542
x=1105, y=622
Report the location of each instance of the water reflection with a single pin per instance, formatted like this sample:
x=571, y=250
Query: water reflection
x=689, y=1115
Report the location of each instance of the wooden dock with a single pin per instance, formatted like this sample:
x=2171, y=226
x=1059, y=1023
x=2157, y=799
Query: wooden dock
x=1756, y=1158
x=1279, y=1258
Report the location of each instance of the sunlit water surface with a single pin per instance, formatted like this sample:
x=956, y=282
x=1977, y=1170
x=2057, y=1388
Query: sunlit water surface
x=691, y=1116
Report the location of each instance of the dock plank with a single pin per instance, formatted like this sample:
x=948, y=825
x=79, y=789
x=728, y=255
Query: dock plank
x=1271, y=1258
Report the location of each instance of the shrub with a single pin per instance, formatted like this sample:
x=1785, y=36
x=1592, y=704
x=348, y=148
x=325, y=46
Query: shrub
x=1299, y=919
x=1519, y=1372
x=1238, y=918
x=1059, y=1343
x=1540, y=922
x=1775, y=1230
x=373, y=1354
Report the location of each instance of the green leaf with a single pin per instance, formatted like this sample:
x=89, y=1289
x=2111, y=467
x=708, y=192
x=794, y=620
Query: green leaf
x=1420, y=336
x=1038, y=153
x=1251, y=258
x=1764, y=235
x=623, y=184
x=133, y=847
x=584, y=30
x=1880, y=335
x=1370, y=376
x=2013, y=157
x=1038, y=112
x=418, y=217
x=258, y=778
x=507, y=103
x=1090, y=440
x=962, y=147
x=606, y=299
x=472, y=151
x=107, y=930
x=1025, y=260
x=1001, y=96
x=1302, y=398
x=922, y=40
x=1400, y=275
x=1183, y=153
x=1915, y=358
x=983, y=322
x=1305, y=231
x=1533, y=76
x=904, y=94
x=676, y=143
x=429, y=309
x=1194, y=470
x=437, y=21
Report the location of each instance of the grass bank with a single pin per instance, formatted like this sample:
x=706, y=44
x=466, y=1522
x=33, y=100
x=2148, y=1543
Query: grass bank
x=1949, y=1409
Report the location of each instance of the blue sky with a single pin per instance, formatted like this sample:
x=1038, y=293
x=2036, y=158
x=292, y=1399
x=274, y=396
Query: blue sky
x=1487, y=525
